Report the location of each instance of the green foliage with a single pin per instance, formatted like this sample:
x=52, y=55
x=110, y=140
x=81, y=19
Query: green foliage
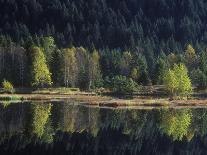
x=199, y=75
x=125, y=64
x=69, y=67
x=121, y=84
x=55, y=66
x=129, y=29
x=48, y=135
x=77, y=67
x=48, y=45
x=135, y=74
x=176, y=124
x=160, y=69
x=143, y=68
x=81, y=69
x=177, y=82
x=190, y=57
x=82, y=64
x=7, y=87
x=190, y=52
x=171, y=82
x=11, y=98
x=40, y=73
x=129, y=38
x=199, y=78
x=199, y=123
x=40, y=116
x=95, y=76
x=203, y=62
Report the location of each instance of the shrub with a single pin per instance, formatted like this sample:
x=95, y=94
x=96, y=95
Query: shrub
x=122, y=84
x=8, y=87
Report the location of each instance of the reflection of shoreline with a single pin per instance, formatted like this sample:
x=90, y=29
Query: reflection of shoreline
x=70, y=124
x=74, y=118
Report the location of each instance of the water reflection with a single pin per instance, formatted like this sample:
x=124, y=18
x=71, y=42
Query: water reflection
x=60, y=128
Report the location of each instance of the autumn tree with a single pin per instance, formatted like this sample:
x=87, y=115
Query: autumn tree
x=40, y=73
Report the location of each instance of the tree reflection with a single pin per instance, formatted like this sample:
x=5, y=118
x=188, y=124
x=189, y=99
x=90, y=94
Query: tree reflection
x=72, y=118
x=199, y=123
x=94, y=121
x=93, y=130
x=40, y=116
x=134, y=122
x=176, y=123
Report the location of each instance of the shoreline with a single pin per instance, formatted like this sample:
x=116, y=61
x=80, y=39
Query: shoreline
x=88, y=99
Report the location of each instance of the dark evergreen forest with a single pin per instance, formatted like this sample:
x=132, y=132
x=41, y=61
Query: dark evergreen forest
x=114, y=24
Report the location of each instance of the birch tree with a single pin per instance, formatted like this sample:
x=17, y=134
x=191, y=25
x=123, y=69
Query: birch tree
x=41, y=75
x=69, y=67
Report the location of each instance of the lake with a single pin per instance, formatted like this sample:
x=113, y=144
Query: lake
x=68, y=128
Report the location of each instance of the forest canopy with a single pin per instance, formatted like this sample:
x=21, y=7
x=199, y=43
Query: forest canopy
x=88, y=44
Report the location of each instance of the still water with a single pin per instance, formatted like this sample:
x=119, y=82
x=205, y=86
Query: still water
x=68, y=128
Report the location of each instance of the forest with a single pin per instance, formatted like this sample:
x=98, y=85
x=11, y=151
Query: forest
x=119, y=45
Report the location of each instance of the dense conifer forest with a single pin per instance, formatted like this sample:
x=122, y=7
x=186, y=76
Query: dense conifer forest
x=117, y=44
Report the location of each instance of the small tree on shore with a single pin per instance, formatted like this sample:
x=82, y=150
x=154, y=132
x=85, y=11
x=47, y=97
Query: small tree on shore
x=7, y=87
x=177, y=81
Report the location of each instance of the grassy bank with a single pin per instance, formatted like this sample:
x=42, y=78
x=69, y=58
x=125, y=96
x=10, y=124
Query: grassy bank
x=106, y=101
x=149, y=96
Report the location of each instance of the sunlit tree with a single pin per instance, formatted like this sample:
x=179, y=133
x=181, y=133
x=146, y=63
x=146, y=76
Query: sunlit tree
x=177, y=81
x=40, y=73
x=190, y=52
